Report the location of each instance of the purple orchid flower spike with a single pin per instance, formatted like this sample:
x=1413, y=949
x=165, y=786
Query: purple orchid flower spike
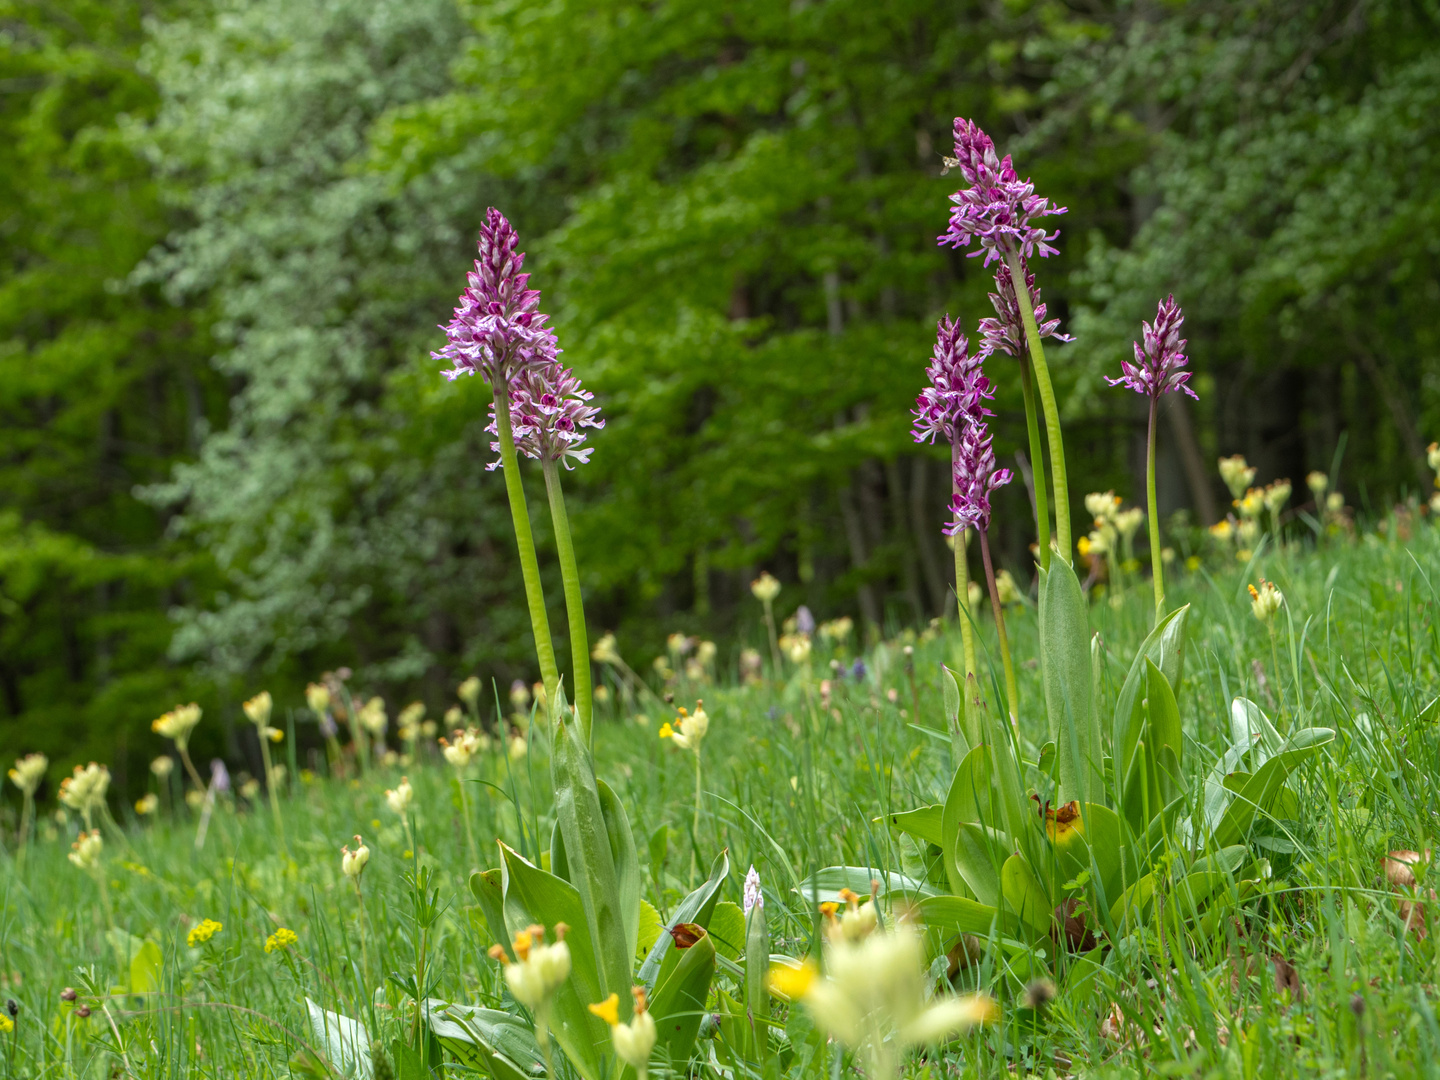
x=548, y=410
x=975, y=478
x=997, y=207
x=497, y=330
x=1159, y=369
x=957, y=389
x=1006, y=332
x=1159, y=366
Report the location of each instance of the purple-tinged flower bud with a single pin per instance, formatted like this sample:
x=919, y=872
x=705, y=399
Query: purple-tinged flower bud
x=548, y=409
x=1006, y=332
x=1159, y=366
x=957, y=388
x=219, y=775
x=496, y=330
x=997, y=207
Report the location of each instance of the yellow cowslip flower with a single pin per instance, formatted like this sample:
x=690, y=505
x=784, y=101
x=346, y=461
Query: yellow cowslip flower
x=317, y=696
x=796, y=647
x=517, y=747
x=1237, y=474
x=765, y=588
x=400, y=798
x=249, y=789
x=1265, y=601
x=633, y=1041
x=280, y=940
x=1317, y=482
x=837, y=630
x=85, y=851
x=257, y=709
x=469, y=691
x=1096, y=544
x=28, y=772
x=178, y=723
x=1334, y=502
x=352, y=863
x=1102, y=506
x=539, y=969
x=409, y=720
x=202, y=932
x=162, y=766
x=1224, y=531
x=1251, y=504
x=1127, y=522
x=688, y=729
x=873, y=999
x=466, y=745
x=605, y=651
x=372, y=717
x=147, y=804
x=1432, y=456
x=85, y=789
x=1276, y=495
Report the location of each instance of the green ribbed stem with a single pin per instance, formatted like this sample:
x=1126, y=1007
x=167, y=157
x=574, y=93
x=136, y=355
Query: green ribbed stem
x=1047, y=401
x=1157, y=563
x=1012, y=690
x=525, y=541
x=574, y=603
x=1037, y=462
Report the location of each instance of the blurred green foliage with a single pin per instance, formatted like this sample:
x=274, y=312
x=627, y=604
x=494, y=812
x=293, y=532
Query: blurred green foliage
x=230, y=230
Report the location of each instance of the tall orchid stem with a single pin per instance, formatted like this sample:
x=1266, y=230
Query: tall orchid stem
x=574, y=603
x=525, y=541
x=1047, y=400
x=1037, y=462
x=1012, y=691
x=1157, y=564
x=962, y=596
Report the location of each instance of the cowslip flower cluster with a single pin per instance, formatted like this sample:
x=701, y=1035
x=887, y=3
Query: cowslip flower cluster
x=765, y=588
x=689, y=729
x=257, y=710
x=177, y=724
x=202, y=932
x=1265, y=601
x=539, y=969
x=352, y=863
x=85, y=851
x=1160, y=359
x=1237, y=474
x=84, y=790
x=400, y=797
x=1006, y=331
x=464, y=747
x=497, y=330
x=548, y=411
x=997, y=208
x=873, y=996
x=28, y=772
x=633, y=1041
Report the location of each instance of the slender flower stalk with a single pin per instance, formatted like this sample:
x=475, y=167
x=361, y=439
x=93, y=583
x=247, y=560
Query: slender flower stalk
x=1006, y=333
x=766, y=588
x=1159, y=368
x=998, y=210
x=498, y=332
x=548, y=411
x=257, y=710
x=688, y=733
x=26, y=775
x=975, y=478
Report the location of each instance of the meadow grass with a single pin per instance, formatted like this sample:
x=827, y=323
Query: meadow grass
x=1315, y=976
